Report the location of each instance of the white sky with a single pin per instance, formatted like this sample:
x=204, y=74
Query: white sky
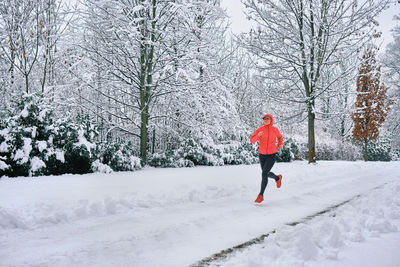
x=239, y=23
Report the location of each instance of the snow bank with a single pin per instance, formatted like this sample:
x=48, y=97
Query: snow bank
x=111, y=196
x=44, y=201
x=324, y=237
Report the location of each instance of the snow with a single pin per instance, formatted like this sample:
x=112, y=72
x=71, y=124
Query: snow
x=60, y=155
x=23, y=154
x=97, y=166
x=325, y=240
x=42, y=145
x=36, y=164
x=24, y=112
x=177, y=217
x=42, y=115
x=3, y=165
x=4, y=147
x=83, y=141
x=33, y=131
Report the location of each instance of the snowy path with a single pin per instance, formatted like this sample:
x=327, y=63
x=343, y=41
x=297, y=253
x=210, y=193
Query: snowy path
x=166, y=217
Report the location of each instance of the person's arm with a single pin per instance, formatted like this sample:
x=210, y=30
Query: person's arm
x=254, y=137
x=279, y=136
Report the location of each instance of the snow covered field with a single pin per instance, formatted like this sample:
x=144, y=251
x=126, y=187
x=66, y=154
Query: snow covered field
x=181, y=217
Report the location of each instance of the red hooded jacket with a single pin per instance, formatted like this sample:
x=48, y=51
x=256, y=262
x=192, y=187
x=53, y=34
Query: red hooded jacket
x=267, y=144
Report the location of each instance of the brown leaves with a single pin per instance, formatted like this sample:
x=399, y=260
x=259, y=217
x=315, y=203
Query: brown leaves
x=372, y=103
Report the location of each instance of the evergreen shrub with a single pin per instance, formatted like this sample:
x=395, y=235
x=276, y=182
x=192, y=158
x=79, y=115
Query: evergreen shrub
x=33, y=143
x=395, y=154
x=379, y=150
x=289, y=152
x=169, y=159
x=206, y=153
x=77, y=159
x=23, y=138
x=119, y=156
x=332, y=149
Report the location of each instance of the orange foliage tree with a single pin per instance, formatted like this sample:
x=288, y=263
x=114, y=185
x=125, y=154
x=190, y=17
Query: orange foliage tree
x=372, y=102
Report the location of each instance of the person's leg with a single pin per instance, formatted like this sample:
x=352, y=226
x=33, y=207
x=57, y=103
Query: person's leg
x=266, y=161
x=264, y=177
x=271, y=174
x=278, y=178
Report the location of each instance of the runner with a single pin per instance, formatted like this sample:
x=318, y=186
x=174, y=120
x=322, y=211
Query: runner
x=267, y=149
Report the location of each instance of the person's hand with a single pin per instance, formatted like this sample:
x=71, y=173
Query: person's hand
x=280, y=146
x=260, y=133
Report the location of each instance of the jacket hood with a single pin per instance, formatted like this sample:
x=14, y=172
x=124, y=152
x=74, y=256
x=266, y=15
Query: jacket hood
x=272, y=118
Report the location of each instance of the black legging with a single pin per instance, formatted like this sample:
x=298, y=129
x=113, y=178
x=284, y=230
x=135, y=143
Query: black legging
x=267, y=161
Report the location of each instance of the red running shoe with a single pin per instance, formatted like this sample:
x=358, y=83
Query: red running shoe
x=259, y=199
x=279, y=182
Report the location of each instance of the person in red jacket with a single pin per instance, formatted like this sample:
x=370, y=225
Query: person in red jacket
x=267, y=136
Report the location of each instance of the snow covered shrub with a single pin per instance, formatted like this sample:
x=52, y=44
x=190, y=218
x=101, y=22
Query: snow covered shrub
x=77, y=158
x=23, y=137
x=164, y=160
x=55, y=163
x=4, y=139
x=289, y=152
x=32, y=143
x=97, y=166
x=5, y=151
x=394, y=154
x=239, y=153
x=326, y=151
x=329, y=149
x=120, y=157
x=379, y=150
x=188, y=154
x=181, y=163
x=202, y=152
x=74, y=144
x=337, y=150
x=193, y=153
x=349, y=151
x=170, y=159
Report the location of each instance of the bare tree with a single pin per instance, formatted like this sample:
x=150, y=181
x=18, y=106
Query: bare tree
x=24, y=28
x=29, y=32
x=391, y=62
x=56, y=18
x=124, y=40
x=297, y=41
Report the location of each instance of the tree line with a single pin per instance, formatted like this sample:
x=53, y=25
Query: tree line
x=170, y=70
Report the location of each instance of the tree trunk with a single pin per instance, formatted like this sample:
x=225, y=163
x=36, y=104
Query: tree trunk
x=143, y=130
x=143, y=105
x=365, y=150
x=308, y=88
x=311, y=133
x=26, y=83
x=45, y=69
x=12, y=66
x=146, y=81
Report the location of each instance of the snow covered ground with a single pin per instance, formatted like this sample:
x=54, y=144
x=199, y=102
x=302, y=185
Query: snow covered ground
x=181, y=217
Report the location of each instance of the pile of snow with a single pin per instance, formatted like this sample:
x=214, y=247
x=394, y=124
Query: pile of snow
x=27, y=202
x=323, y=240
